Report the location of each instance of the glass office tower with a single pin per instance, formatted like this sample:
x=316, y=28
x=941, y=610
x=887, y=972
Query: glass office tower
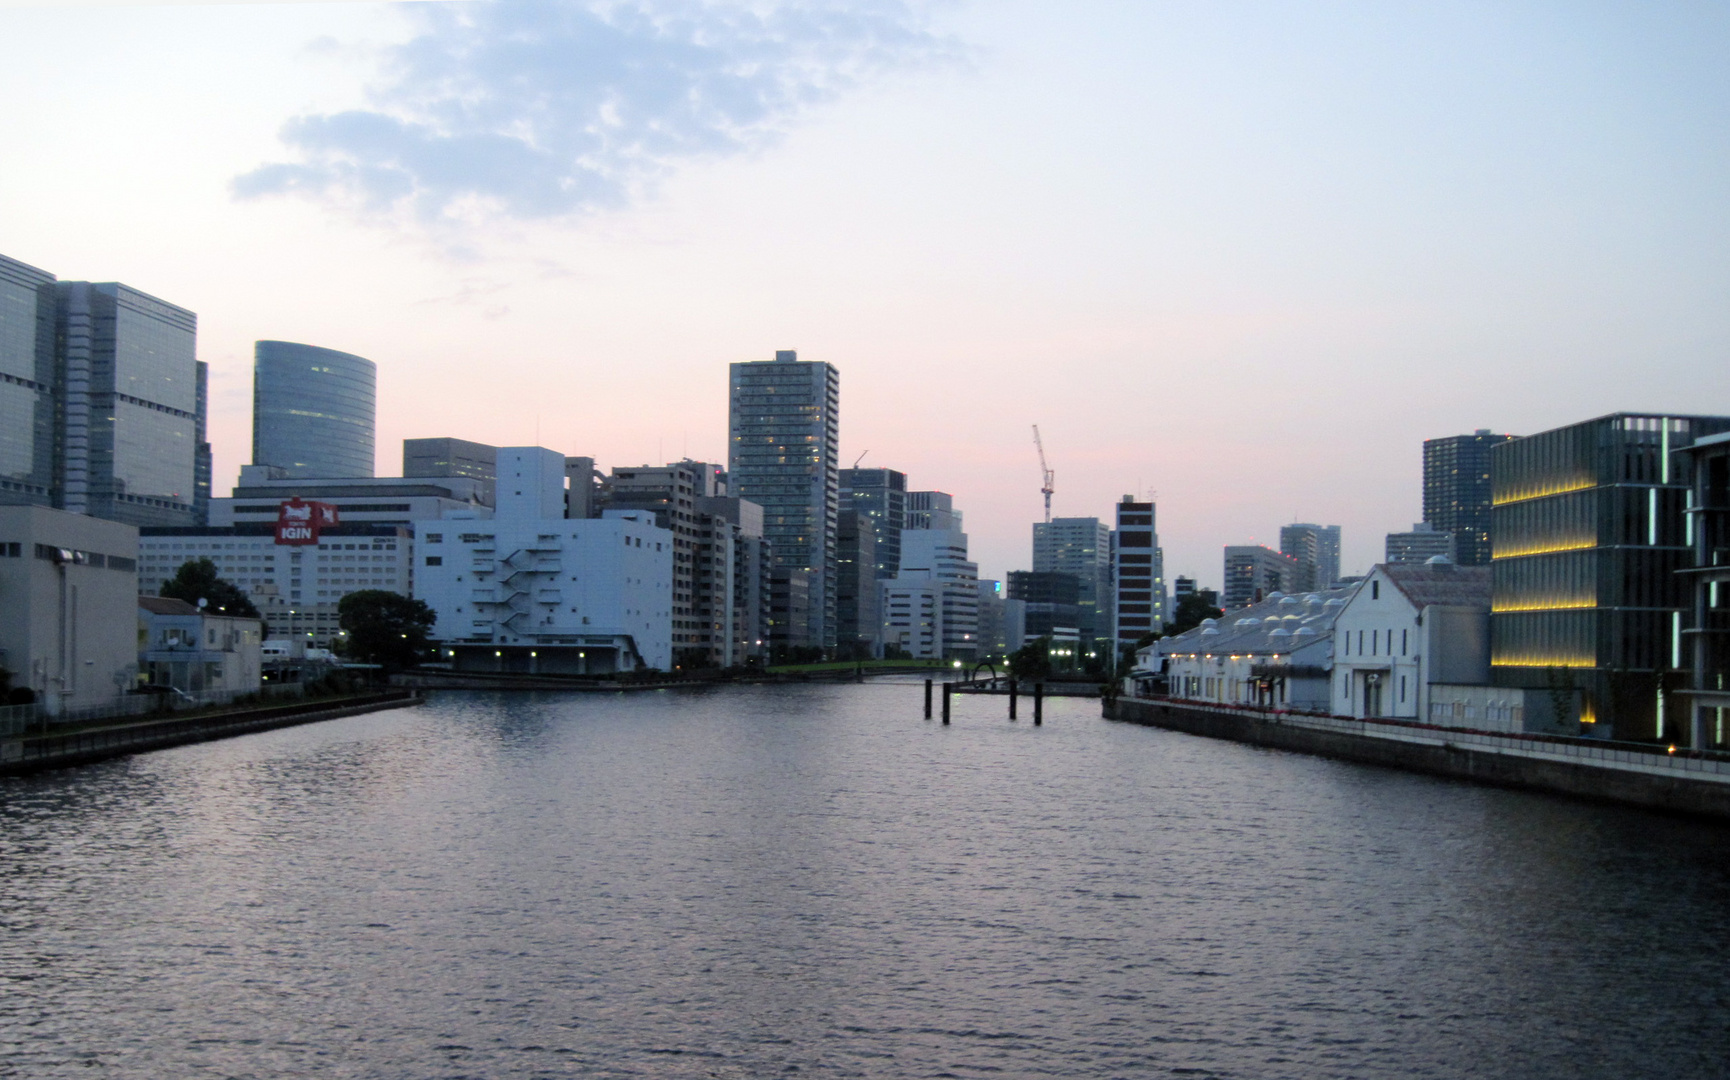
x=130, y=424
x=1588, y=532
x=102, y=408
x=784, y=437
x=880, y=497
x=27, y=300
x=313, y=410
x=1080, y=547
x=1457, y=492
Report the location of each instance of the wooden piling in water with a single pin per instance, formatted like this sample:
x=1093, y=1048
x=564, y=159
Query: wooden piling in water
x=1038, y=704
x=1012, y=689
x=946, y=689
x=927, y=699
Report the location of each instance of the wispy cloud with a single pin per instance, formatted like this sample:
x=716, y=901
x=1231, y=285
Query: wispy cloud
x=543, y=108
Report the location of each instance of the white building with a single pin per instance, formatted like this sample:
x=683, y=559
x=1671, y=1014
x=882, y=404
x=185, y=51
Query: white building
x=1414, y=643
x=296, y=587
x=930, y=609
x=367, y=500
x=1275, y=654
x=68, y=606
x=533, y=591
x=182, y=647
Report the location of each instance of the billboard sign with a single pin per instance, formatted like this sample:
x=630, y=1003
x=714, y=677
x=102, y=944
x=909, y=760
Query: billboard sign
x=299, y=522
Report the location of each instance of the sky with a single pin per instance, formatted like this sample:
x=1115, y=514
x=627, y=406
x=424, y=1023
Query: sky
x=1243, y=257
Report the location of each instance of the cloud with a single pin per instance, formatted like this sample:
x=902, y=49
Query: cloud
x=543, y=108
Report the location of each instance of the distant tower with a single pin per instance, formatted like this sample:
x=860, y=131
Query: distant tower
x=784, y=435
x=313, y=410
x=1457, y=491
x=1317, y=551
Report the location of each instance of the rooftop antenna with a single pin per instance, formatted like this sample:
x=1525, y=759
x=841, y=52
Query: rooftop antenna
x=860, y=458
x=1045, y=470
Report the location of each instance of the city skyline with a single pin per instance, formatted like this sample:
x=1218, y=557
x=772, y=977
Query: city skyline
x=1121, y=226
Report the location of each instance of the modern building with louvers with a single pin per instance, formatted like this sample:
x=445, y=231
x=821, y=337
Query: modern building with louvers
x=1589, y=535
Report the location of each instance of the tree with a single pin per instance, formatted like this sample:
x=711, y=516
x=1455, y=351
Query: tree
x=1190, y=613
x=1032, y=660
x=385, y=628
x=196, y=580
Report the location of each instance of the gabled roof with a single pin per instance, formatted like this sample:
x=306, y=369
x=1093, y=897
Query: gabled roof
x=1445, y=584
x=163, y=605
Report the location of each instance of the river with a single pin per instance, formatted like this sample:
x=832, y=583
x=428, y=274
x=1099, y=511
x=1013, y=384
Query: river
x=812, y=881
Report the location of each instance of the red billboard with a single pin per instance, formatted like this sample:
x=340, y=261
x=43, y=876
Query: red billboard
x=299, y=522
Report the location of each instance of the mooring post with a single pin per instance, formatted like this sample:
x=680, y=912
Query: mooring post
x=927, y=699
x=946, y=689
x=1012, y=699
x=1038, y=704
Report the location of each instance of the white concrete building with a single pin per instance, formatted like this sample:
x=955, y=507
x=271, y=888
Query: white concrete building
x=1275, y=654
x=68, y=606
x=930, y=609
x=1410, y=629
x=367, y=500
x=182, y=647
x=296, y=587
x=533, y=591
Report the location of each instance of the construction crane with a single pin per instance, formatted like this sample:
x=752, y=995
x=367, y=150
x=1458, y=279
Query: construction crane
x=1045, y=470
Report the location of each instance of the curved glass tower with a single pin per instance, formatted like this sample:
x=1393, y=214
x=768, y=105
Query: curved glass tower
x=312, y=410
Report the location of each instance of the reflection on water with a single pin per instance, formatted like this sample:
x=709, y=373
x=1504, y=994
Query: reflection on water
x=811, y=880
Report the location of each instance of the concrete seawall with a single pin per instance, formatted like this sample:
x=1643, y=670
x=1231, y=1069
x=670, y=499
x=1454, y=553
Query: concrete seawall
x=32, y=753
x=1656, y=783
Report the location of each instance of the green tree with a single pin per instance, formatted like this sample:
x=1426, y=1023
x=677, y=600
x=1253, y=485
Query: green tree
x=197, y=580
x=1032, y=660
x=1190, y=613
x=385, y=628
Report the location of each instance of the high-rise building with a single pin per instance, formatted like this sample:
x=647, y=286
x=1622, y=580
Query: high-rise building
x=446, y=457
x=931, y=608
x=1589, y=530
x=784, y=436
x=1422, y=544
x=1081, y=547
x=1457, y=491
x=1253, y=571
x=670, y=493
x=932, y=510
x=27, y=385
x=1139, y=572
x=100, y=387
x=1706, y=703
x=880, y=496
x=1316, y=549
x=1049, y=602
x=313, y=410
x=856, y=593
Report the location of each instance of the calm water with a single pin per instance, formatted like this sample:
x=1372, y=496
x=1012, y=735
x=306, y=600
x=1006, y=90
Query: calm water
x=813, y=881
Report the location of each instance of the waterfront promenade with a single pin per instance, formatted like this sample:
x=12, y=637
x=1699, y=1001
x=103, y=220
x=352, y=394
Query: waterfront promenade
x=1650, y=776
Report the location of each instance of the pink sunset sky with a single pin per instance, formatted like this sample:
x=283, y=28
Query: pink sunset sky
x=1245, y=256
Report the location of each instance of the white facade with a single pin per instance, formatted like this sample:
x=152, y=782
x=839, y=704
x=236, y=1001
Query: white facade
x=182, y=647
x=931, y=608
x=296, y=587
x=533, y=591
x=1275, y=654
x=68, y=606
x=382, y=500
x=1407, y=629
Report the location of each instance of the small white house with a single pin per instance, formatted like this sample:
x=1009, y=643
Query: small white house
x=1411, y=630
x=190, y=650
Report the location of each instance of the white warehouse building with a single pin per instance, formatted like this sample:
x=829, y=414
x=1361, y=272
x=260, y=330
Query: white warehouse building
x=532, y=591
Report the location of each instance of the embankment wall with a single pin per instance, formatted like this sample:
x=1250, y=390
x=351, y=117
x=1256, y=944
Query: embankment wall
x=1678, y=794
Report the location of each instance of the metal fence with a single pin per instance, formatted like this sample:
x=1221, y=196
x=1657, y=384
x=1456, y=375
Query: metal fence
x=1642, y=757
x=35, y=719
